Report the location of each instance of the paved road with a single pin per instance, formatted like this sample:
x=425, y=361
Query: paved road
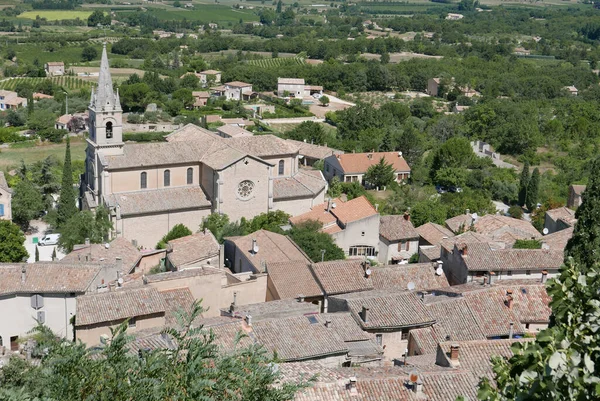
x=45, y=251
x=294, y=120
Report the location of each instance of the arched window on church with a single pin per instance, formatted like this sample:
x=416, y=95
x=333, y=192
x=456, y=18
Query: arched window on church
x=109, y=130
x=190, y=176
x=167, y=178
x=143, y=180
x=281, y=167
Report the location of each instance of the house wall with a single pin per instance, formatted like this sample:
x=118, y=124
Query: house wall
x=148, y=229
x=290, y=164
x=353, y=234
x=454, y=268
x=296, y=90
x=432, y=87
x=6, y=202
x=388, y=250
x=229, y=201
x=550, y=224
x=516, y=274
x=90, y=334
x=130, y=180
x=205, y=77
x=18, y=317
x=295, y=207
x=393, y=345
x=147, y=262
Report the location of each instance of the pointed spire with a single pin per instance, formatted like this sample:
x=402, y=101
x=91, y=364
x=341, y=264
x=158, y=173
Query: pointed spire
x=105, y=96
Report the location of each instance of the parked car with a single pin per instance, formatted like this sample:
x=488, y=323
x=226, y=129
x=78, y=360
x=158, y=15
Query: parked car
x=49, y=239
x=455, y=189
x=441, y=189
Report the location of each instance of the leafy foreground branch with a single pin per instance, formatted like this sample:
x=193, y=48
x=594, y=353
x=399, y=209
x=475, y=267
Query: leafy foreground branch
x=195, y=369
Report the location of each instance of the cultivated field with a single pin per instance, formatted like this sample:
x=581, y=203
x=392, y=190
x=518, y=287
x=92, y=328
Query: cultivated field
x=205, y=13
x=11, y=157
x=53, y=15
x=276, y=62
x=69, y=83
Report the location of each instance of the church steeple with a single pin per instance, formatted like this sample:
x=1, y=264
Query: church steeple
x=104, y=98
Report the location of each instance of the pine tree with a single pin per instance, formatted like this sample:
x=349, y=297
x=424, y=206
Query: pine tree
x=533, y=189
x=37, y=254
x=523, y=184
x=584, y=246
x=66, y=201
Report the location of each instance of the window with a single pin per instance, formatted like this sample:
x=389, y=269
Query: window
x=404, y=335
x=190, y=176
x=403, y=245
x=379, y=339
x=132, y=322
x=143, y=180
x=167, y=178
x=1, y=209
x=281, y=167
x=109, y=130
x=362, y=250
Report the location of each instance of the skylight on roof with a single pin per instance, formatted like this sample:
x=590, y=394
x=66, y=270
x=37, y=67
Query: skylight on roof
x=312, y=319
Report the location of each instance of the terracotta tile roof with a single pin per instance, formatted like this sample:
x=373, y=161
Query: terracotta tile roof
x=460, y=223
x=558, y=240
x=314, y=151
x=55, y=64
x=345, y=326
x=263, y=145
x=234, y=131
x=176, y=300
x=475, y=355
x=397, y=277
x=273, y=248
x=432, y=253
x=424, y=342
x=484, y=257
x=353, y=210
x=192, y=248
x=342, y=276
x=492, y=314
x=116, y=305
x=274, y=309
x=201, y=94
x=293, y=278
x=210, y=72
x=433, y=233
x=3, y=183
x=232, y=336
x=360, y=162
x=562, y=213
x=578, y=189
x=47, y=277
x=387, y=310
x=469, y=237
x=158, y=200
x=396, y=228
x=296, y=338
x=140, y=155
x=237, y=84
x=455, y=321
x=290, y=81
x=317, y=213
x=303, y=184
x=107, y=255
x=495, y=226
x=191, y=132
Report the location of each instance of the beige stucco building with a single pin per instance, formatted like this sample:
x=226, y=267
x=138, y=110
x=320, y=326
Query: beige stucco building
x=5, y=199
x=149, y=188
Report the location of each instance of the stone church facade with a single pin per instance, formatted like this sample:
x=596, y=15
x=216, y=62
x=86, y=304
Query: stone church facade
x=151, y=187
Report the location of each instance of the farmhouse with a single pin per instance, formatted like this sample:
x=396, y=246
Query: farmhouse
x=352, y=167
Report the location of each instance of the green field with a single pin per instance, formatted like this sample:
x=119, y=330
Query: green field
x=69, y=83
x=276, y=62
x=204, y=13
x=54, y=15
x=11, y=157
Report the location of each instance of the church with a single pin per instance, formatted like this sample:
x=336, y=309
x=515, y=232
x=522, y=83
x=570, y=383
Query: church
x=151, y=187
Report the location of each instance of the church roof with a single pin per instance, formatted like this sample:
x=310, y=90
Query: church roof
x=139, y=155
x=264, y=145
x=301, y=185
x=105, y=97
x=159, y=200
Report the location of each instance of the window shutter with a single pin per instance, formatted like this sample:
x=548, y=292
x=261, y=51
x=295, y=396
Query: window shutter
x=1, y=209
x=37, y=301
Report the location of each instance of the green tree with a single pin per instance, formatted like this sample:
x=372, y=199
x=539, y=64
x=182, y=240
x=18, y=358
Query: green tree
x=12, y=239
x=308, y=131
x=324, y=100
x=380, y=174
x=533, y=189
x=271, y=221
x=515, y=212
x=89, y=53
x=523, y=184
x=185, y=96
x=311, y=240
x=196, y=368
x=84, y=225
x=27, y=203
x=178, y=231
x=527, y=244
x=40, y=120
x=456, y=152
x=66, y=201
x=221, y=227
x=279, y=6
x=428, y=211
x=98, y=17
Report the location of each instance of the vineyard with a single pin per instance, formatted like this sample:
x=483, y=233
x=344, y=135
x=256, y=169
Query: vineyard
x=68, y=83
x=276, y=62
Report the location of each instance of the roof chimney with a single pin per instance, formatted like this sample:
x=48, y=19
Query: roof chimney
x=145, y=279
x=23, y=274
x=377, y=207
x=406, y=216
x=300, y=298
x=249, y=320
x=233, y=305
x=418, y=386
x=365, y=314
x=484, y=280
x=119, y=263
x=468, y=211
x=509, y=301
x=254, y=247
x=328, y=323
x=352, y=384
x=511, y=330
x=492, y=277
x=464, y=250
x=87, y=241
x=544, y=276
x=454, y=348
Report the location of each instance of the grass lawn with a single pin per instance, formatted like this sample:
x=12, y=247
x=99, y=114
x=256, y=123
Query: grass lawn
x=11, y=157
x=54, y=15
x=204, y=13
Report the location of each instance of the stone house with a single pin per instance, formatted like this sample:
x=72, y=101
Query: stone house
x=311, y=153
x=353, y=225
x=197, y=249
x=10, y=100
x=575, y=192
x=559, y=219
x=232, y=131
x=398, y=239
x=209, y=77
x=237, y=90
x=5, y=199
x=293, y=87
x=200, y=98
x=351, y=167
x=54, y=68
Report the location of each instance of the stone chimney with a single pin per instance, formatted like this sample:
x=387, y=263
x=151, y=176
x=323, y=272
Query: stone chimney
x=454, y=351
x=511, y=330
x=23, y=274
x=145, y=279
x=484, y=280
x=249, y=320
x=328, y=323
x=233, y=305
x=352, y=384
x=406, y=216
x=87, y=242
x=544, y=276
x=365, y=314
x=418, y=387
x=377, y=207
x=509, y=301
x=468, y=211
x=492, y=278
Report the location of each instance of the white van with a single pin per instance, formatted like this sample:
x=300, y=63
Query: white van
x=49, y=239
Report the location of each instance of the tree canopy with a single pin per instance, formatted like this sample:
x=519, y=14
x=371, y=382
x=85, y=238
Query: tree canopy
x=12, y=239
x=308, y=237
x=85, y=225
x=178, y=231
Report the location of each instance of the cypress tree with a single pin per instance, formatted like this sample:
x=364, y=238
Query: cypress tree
x=584, y=246
x=533, y=189
x=66, y=201
x=30, y=104
x=523, y=183
x=37, y=254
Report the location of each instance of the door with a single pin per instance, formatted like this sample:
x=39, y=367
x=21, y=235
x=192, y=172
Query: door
x=14, y=343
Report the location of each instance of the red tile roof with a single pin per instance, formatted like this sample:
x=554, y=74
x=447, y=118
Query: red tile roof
x=293, y=278
x=360, y=162
x=342, y=276
x=397, y=277
x=343, y=212
x=396, y=228
x=434, y=233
